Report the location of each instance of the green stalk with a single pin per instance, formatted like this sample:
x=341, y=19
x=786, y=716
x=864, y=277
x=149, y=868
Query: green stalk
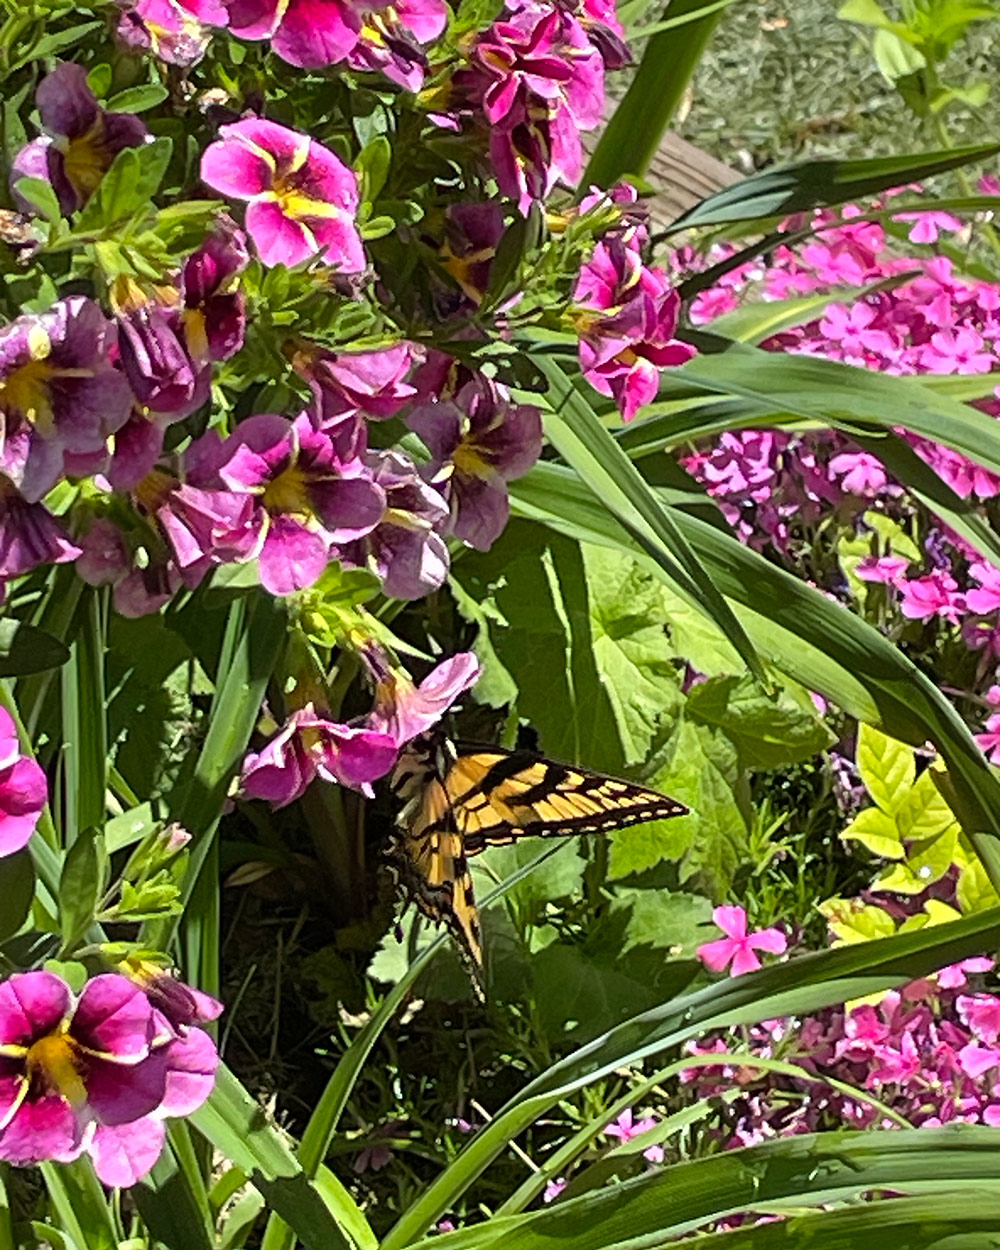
x=634, y=132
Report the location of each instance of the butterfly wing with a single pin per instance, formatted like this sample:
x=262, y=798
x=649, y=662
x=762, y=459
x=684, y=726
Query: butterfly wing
x=499, y=796
x=429, y=855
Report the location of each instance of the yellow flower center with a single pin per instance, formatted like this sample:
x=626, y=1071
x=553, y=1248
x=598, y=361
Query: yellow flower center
x=26, y=391
x=288, y=493
x=196, y=334
x=87, y=160
x=53, y=1064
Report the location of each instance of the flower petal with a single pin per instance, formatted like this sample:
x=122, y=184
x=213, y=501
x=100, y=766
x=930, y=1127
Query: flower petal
x=192, y=1061
x=124, y=1153
x=32, y=1005
x=732, y=920
x=114, y=1018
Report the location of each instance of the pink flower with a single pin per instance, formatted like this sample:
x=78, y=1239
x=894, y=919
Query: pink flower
x=956, y=351
x=23, y=790
x=302, y=198
x=624, y=1129
x=986, y=596
x=553, y=1189
x=860, y=473
x=93, y=1075
x=953, y=977
x=853, y=329
x=626, y=317
x=886, y=569
x=929, y=225
x=739, y=946
x=403, y=710
x=934, y=595
x=308, y=33
x=310, y=745
x=980, y=1013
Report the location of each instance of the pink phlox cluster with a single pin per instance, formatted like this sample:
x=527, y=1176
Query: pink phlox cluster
x=928, y=1051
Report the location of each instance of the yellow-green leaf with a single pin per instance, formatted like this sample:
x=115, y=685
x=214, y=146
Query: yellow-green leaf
x=852, y=921
x=923, y=812
x=886, y=766
x=877, y=831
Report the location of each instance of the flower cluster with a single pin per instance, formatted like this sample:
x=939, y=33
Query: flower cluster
x=99, y=1073
x=775, y=487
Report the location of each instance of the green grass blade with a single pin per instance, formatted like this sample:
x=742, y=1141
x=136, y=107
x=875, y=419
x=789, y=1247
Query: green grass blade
x=321, y=1213
x=633, y=133
x=80, y=1203
x=953, y=1162
x=576, y=433
x=796, y=988
x=797, y=188
x=84, y=717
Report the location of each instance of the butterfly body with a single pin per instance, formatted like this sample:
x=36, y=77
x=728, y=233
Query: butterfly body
x=458, y=799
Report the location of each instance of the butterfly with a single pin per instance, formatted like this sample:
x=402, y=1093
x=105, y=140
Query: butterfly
x=457, y=799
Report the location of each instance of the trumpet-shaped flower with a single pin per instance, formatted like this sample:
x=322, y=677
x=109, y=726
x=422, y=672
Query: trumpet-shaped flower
x=405, y=549
x=302, y=198
x=310, y=745
x=404, y=710
x=479, y=441
x=739, y=947
x=92, y=1074
x=29, y=536
x=23, y=790
x=59, y=392
x=391, y=37
x=176, y=31
x=82, y=139
x=626, y=317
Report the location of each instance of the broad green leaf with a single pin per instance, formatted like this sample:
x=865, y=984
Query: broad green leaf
x=887, y=767
x=895, y=57
x=631, y=651
x=813, y=184
x=865, y=13
x=699, y=766
x=677, y=923
x=81, y=885
x=561, y=875
x=877, y=831
x=923, y=813
x=696, y=639
x=41, y=196
x=974, y=890
x=26, y=649
x=769, y=730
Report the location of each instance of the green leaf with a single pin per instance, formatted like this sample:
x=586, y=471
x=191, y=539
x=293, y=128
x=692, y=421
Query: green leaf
x=17, y=888
x=138, y=99
x=778, y=192
x=887, y=767
x=852, y=921
x=25, y=649
x=373, y=164
x=924, y=811
x=877, y=831
x=895, y=57
x=41, y=196
x=577, y=434
x=129, y=185
x=865, y=13
x=81, y=885
x=769, y=730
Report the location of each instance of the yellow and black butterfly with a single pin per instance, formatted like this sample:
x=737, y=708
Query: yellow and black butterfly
x=456, y=800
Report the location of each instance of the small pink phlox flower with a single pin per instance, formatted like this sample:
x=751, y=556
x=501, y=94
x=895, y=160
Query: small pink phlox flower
x=957, y=351
x=739, y=946
x=934, y=595
x=954, y=976
x=986, y=596
x=860, y=473
x=980, y=1013
x=854, y=330
x=553, y=1189
x=625, y=1129
x=885, y=569
x=929, y=225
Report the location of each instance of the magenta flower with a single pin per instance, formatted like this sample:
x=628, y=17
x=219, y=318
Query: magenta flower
x=535, y=150
x=553, y=1189
x=29, y=536
x=479, y=441
x=954, y=976
x=624, y=1129
x=81, y=142
x=391, y=37
x=302, y=198
x=176, y=31
x=92, y=1075
x=24, y=790
x=738, y=946
x=626, y=316
x=372, y=383
x=860, y=473
x=405, y=549
x=59, y=393
x=307, y=33
x=402, y=710
x=155, y=359
x=956, y=351
x=180, y=1005
x=929, y=225
x=989, y=742
x=986, y=596
x=213, y=309
x=889, y=570
x=309, y=745
x=922, y=598
x=305, y=501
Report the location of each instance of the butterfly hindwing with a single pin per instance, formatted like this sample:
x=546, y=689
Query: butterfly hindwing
x=458, y=800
